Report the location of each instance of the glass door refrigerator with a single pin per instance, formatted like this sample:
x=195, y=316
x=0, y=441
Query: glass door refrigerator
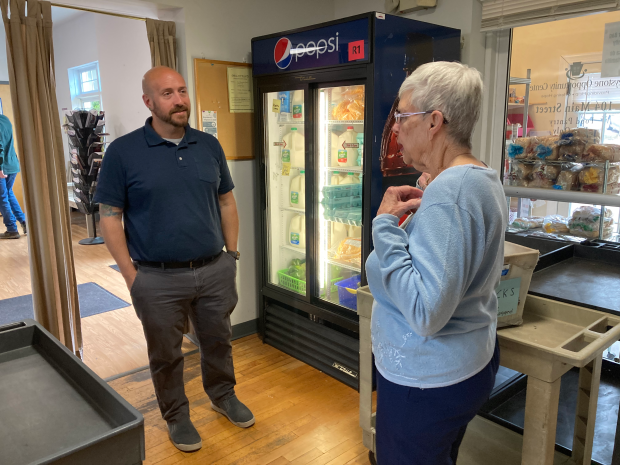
x=325, y=96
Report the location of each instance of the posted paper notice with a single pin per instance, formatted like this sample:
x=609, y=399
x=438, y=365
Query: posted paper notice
x=209, y=122
x=240, y=99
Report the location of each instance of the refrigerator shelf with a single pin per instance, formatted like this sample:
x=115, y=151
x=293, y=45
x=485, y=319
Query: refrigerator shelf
x=294, y=249
x=346, y=169
x=293, y=209
x=335, y=219
x=335, y=122
x=348, y=266
x=290, y=123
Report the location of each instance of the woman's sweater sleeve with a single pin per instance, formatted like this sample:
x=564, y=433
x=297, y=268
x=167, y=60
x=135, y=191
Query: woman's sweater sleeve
x=426, y=275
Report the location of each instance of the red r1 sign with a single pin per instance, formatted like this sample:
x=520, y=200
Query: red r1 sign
x=356, y=50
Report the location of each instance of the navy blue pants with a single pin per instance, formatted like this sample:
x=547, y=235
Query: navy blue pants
x=426, y=426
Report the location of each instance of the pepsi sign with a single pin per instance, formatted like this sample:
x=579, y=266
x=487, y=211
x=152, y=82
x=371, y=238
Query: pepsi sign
x=282, y=53
x=316, y=48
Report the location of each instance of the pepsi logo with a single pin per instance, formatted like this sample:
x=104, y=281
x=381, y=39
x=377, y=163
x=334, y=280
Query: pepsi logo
x=282, y=53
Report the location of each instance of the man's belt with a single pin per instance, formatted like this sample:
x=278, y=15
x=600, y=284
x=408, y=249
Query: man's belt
x=178, y=265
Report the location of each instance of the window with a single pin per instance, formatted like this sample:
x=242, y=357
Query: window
x=85, y=85
x=566, y=155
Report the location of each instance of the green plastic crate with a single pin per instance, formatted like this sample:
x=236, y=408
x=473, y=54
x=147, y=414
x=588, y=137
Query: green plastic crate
x=290, y=283
x=299, y=286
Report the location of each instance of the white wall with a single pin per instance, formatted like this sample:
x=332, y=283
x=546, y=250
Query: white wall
x=460, y=14
x=124, y=57
x=121, y=47
x=70, y=51
x=220, y=30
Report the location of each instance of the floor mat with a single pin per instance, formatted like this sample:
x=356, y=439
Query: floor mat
x=115, y=267
x=93, y=300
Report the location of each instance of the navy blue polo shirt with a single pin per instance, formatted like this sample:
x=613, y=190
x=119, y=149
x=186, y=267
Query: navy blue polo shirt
x=168, y=193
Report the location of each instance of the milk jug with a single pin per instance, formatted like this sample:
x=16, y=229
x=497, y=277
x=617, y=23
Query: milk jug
x=297, y=231
x=297, y=191
x=347, y=148
x=334, y=151
x=350, y=179
x=355, y=231
x=339, y=233
x=298, y=105
x=294, y=148
x=337, y=178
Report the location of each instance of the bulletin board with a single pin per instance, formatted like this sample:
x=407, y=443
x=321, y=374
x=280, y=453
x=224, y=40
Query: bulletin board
x=235, y=131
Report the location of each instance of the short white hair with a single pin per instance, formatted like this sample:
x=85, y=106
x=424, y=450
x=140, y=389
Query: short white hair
x=452, y=88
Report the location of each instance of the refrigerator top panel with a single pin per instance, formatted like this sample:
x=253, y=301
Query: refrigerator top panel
x=336, y=44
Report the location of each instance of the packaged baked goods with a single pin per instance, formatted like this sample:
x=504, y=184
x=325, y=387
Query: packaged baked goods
x=546, y=148
x=603, y=152
x=555, y=224
x=520, y=148
x=574, y=143
x=527, y=223
x=350, y=251
x=589, y=136
x=544, y=175
x=519, y=174
x=571, y=149
x=592, y=179
x=568, y=179
x=586, y=222
x=351, y=107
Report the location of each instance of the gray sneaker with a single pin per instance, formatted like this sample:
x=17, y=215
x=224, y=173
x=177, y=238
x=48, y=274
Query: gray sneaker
x=238, y=414
x=184, y=436
x=9, y=235
x=24, y=228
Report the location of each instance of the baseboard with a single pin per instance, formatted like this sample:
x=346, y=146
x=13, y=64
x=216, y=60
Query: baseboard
x=244, y=329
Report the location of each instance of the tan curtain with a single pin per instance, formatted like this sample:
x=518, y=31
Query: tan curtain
x=30, y=55
x=163, y=41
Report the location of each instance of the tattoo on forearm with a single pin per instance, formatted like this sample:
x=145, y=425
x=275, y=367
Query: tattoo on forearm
x=109, y=211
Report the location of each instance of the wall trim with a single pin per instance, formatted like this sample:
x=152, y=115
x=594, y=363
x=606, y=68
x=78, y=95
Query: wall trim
x=244, y=329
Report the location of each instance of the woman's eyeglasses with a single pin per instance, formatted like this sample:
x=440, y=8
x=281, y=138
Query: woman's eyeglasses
x=400, y=117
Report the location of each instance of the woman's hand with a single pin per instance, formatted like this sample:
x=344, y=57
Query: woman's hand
x=399, y=200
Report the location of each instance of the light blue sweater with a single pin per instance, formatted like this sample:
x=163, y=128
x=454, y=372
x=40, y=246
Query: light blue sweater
x=435, y=311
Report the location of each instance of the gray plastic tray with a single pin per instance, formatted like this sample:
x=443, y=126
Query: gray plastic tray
x=54, y=409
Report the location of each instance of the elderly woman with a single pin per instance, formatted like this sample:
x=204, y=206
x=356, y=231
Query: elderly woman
x=434, y=277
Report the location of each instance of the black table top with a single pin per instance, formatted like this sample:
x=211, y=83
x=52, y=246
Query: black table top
x=586, y=282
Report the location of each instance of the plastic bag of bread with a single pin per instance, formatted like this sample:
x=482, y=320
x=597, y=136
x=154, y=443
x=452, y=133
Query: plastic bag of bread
x=350, y=251
x=519, y=174
x=589, y=136
x=546, y=148
x=520, y=149
x=586, y=222
x=568, y=179
x=527, y=223
x=592, y=179
x=603, y=152
x=555, y=224
x=351, y=107
x=571, y=149
x=544, y=175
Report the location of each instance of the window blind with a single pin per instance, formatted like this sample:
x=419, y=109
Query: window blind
x=504, y=14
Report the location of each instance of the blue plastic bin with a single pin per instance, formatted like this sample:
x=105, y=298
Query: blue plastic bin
x=347, y=291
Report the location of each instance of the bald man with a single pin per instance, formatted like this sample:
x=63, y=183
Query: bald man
x=171, y=186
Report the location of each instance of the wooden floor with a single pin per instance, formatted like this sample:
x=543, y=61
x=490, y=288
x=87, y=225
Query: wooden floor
x=113, y=341
x=302, y=415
